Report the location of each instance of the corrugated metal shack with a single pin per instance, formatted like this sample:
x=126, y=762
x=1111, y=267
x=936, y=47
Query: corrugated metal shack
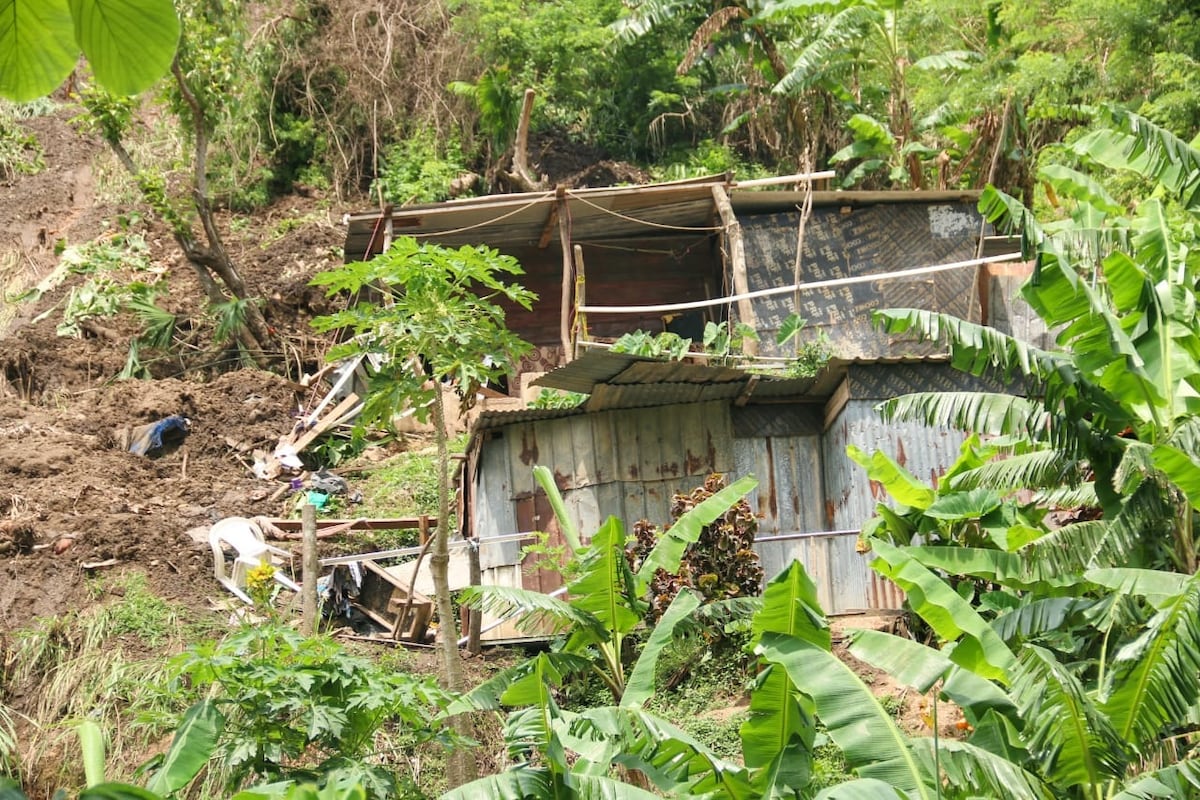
x=674, y=256
x=601, y=259
x=651, y=429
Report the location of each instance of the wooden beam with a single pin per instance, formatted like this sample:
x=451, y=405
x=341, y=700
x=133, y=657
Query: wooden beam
x=837, y=402
x=737, y=259
x=568, y=276
x=747, y=390
x=548, y=228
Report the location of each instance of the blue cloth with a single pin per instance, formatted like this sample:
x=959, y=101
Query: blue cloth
x=147, y=438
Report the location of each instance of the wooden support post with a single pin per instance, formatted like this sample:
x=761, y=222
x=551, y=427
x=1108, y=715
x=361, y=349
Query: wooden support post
x=423, y=529
x=737, y=259
x=475, y=617
x=310, y=569
x=568, y=276
x=581, y=332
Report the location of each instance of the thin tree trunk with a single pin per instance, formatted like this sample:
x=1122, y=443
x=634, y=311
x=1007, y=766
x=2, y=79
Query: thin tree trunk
x=461, y=767
x=215, y=256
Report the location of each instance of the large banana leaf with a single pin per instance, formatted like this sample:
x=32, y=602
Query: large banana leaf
x=1040, y=616
x=640, y=684
x=193, y=744
x=1141, y=146
x=971, y=771
x=669, y=549
x=518, y=783
x=864, y=731
x=1158, y=587
x=777, y=739
x=977, y=647
x=605, y=586
x=1074, y=742
x=534, y=611
x=486, y=696
x=899, y=482
x=862, y=789
x=920, y=667
x=981, y=412
x=1181, y=779
x=1008, y=569
x=672, y=759
x=570, y=530
x=1155, y=679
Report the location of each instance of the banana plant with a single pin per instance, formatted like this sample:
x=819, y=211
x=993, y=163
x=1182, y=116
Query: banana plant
x=1119, y=401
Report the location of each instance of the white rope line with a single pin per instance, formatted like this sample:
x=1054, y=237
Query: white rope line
x=877, y=276
x=501, y=218
x=645, y=222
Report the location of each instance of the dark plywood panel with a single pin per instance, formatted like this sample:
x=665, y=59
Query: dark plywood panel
x=862, y=241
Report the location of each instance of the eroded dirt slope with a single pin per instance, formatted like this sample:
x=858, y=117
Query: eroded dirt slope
x=70, y=495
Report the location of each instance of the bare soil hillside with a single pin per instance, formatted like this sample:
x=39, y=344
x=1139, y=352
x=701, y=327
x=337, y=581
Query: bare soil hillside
x=70, y=495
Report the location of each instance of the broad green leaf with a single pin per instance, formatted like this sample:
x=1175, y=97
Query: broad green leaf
x=570, y=532
x=1155, y=680
x=778, y=737
x=640, y=684
x=486, y=696
x=117, y=791
x=873, y=745
x=1160, y=588
x=91, y=743
x=975, y=772
x=898, y=481
x=1181, y=469
x=971, y=504
x=1074, y=742
x=913, y=664
x=669, y=549
x=604, y=588
x=128, y=43
x=1181, y=779
x=193, y=744
x=37, y=47
x=977, y=647
x=790, y=327
x=520, y=783
x=862, y=789
x=534, y=611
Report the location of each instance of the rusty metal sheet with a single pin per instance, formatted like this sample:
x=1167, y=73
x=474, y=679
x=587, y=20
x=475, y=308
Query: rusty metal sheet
x=850, y=498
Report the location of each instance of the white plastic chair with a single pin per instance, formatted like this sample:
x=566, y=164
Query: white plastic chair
x=246, y=539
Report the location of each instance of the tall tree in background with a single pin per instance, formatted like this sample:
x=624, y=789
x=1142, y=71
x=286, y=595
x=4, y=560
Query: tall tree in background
x=207, y=74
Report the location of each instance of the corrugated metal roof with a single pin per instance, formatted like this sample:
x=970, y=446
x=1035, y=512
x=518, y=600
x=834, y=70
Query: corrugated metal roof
x=490, y=420
x=595, y=214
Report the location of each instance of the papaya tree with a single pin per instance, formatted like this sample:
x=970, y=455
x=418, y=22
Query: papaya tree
x=129, y=44
x=437, y=324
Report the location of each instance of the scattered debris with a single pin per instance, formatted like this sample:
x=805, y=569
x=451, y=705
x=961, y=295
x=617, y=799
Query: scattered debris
x=145, y=439
x=16, y=536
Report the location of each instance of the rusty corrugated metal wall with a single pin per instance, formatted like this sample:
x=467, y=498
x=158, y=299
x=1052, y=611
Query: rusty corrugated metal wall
x=850, y=498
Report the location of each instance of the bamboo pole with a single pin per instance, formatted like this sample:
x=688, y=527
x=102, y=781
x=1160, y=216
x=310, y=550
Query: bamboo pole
x=580, y=296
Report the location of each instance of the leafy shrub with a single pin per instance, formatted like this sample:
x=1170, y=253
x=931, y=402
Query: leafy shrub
x=417, y=170
x=662, y=345
x=296, y=708
x=721, y=564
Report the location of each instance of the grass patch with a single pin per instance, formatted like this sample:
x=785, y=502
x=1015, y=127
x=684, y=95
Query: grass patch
x=107, y=663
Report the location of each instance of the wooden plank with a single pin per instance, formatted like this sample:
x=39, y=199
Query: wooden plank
x=568, y=274
x=737, y=263
x=604, y=441
x=364, y=524
x=583, y=451
x=649, y=444
x=837, y=402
